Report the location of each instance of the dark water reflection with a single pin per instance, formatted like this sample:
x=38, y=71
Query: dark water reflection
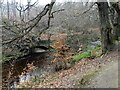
x=41, y=61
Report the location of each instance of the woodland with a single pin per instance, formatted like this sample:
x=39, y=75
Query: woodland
x=42, y=45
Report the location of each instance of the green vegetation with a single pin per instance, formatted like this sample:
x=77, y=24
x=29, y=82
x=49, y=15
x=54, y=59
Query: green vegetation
x=0, y=56
x=90, y=52
x=4, y=58
x=83, y=55
x=7, y=57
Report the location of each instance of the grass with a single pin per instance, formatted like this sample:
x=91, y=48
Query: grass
x=7, y=58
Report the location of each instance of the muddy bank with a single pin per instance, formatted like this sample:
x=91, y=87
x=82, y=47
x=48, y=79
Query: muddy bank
x=11, y=70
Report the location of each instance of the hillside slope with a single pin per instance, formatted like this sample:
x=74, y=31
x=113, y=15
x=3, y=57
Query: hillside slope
x=83, y=74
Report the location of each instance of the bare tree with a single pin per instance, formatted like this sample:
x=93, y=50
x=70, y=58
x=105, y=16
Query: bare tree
x=18, y=39
x=105, y=27
x=116, y=21
x=8, y=9
x=28, y=11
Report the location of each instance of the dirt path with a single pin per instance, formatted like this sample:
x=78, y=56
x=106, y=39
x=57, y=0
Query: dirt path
x=107, y=77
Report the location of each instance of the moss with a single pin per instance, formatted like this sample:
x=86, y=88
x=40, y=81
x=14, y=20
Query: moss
x=83, y=55
x=90, y=52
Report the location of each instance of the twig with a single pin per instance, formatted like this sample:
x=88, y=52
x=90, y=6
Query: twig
x=46, y=9
x=26, y=7
x=56, y=11
x=84, y=12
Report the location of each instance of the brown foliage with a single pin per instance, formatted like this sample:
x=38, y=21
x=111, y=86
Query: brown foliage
x=62, y=54
x=29, y=68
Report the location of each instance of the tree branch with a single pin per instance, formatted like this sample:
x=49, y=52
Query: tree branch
x=47, y=9
x=84, y=12
x=56, y=11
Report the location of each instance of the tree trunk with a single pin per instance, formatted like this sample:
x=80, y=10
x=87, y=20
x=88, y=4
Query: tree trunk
x=117, y=22
x=8, y=10
x=28, y=11
x=105, y=27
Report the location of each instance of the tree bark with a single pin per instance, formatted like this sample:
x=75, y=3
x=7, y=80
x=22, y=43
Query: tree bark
x=117, y=22
x=105, y=27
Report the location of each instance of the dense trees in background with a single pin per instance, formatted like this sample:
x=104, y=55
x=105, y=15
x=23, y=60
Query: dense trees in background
x=71, y=31
x=21, y=33
x=16, y=32
x=24, y=24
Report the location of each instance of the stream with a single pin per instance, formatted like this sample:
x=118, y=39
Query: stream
x=27, y=67
x=12, y=70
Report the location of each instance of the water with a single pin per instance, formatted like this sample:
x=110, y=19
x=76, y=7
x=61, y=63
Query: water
x=39, y=72
x=40, y=61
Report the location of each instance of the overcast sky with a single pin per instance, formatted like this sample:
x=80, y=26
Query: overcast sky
x=40, y=1
x=43, y=2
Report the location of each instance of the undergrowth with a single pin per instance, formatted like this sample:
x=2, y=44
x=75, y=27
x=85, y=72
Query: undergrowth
x=90, y=52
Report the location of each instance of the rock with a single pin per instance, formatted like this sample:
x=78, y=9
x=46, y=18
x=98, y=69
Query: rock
x=38, y=49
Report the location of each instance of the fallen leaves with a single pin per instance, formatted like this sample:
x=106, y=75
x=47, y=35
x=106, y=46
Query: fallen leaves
x=68, y=78
x=29, y=68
